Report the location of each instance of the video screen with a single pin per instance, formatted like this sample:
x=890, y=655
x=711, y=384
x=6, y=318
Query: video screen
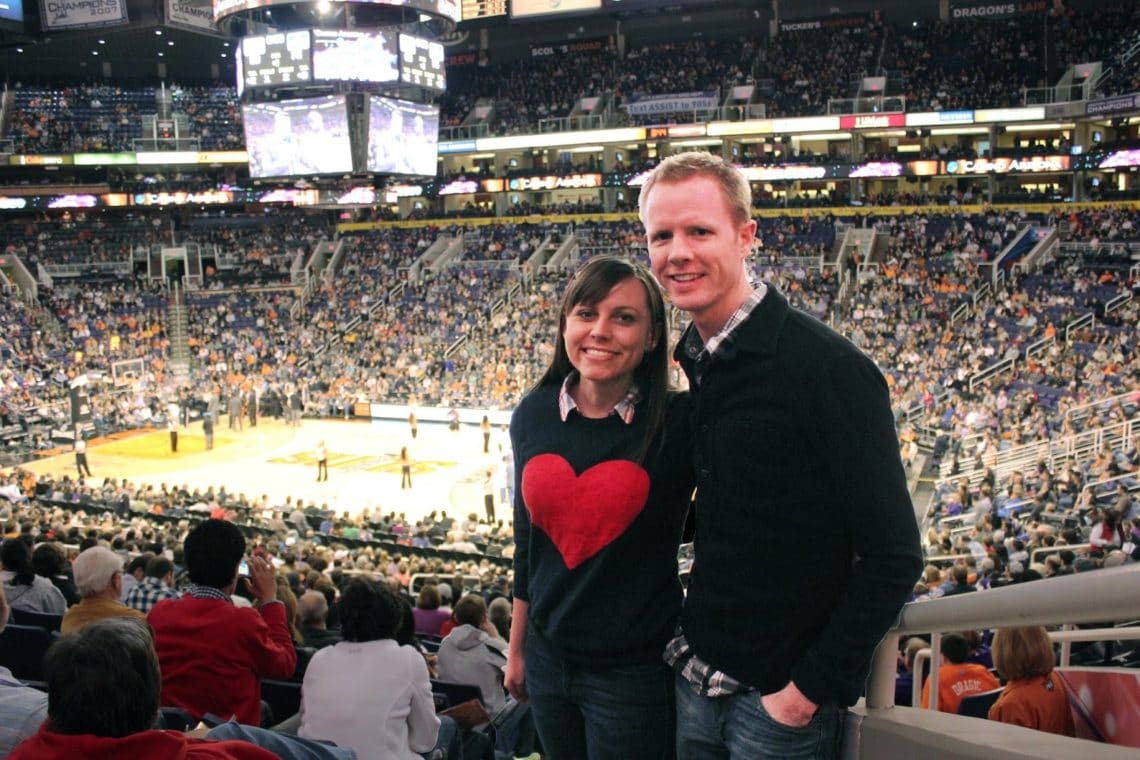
x=536, y=8
x=421, y=62
x=272, y=59
x=402, y=137
x=353, y=56
x=12, y=10
x=293, y=137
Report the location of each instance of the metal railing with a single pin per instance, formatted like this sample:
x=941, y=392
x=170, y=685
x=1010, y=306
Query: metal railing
x=1094, y=597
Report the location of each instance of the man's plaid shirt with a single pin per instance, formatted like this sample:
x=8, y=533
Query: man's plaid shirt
x=149, y=593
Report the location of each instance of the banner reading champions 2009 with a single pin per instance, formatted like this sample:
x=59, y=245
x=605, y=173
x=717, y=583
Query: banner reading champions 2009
x=73, y=14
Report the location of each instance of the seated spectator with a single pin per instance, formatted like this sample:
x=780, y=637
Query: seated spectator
x=103, y=687
x=135, y=572
x=499, y=611
x=904, y=680
x=22, y=708
x=314, y=611
x=26, y=590
x=190, y=632
x=428, y=614
x=474, y=654
x=50, y=560
x=958, y=678
x=99, y=577
x=368, y=693
x=1034, y=695
x=156, y=586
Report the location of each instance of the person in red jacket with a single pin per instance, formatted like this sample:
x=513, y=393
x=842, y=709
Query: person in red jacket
x=103, y=689
x=213, y=654
x=958, y=678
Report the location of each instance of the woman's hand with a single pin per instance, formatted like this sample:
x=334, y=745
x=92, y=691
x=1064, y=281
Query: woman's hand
x=514, y=678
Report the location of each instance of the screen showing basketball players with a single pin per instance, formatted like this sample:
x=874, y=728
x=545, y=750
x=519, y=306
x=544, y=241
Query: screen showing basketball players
x=298, y=137
x=421, y=62
x=355, y=56
x=279, y=58
x=402, y=137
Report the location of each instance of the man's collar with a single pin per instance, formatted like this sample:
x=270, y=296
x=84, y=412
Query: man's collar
x=758, y=333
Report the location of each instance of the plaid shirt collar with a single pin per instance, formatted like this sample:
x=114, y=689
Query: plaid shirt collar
x=624, y=409
x=693, y=346
x=207, y=592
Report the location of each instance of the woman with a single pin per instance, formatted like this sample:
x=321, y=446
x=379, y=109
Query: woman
x=368, y=693
x=26, y=590
x=427, y=614
x=1034, y=695
x=485, y=426
x=603, y=480
x=50, y=561
x=405, y=468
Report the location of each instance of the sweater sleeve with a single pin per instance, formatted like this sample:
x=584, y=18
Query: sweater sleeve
x=274, y=655
x=423, y=725
x=522, y=519
x=856, y=428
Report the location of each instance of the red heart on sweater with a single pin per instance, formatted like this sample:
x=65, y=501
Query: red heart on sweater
x=583, y=514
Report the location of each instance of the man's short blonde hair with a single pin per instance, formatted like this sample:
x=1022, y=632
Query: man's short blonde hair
x=682, y=166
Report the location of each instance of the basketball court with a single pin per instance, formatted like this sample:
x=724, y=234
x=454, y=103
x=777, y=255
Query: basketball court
x=448, y=468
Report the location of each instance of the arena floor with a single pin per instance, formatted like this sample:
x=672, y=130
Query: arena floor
x=274, y=459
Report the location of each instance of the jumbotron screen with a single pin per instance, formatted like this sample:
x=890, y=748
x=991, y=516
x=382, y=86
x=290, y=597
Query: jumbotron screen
x=402, y=137
x=274, y=59
x=446, y=8
x=421, y=62
x=295, y=137
x=355, y=56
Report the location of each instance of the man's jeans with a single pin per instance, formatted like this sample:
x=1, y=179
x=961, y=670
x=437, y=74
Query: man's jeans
x=738, y=727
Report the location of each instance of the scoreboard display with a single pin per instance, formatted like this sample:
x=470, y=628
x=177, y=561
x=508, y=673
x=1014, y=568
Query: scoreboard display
x=472, y=9
x=355, y=56
x=275, y=59
x=421, y=62
x=539, y=8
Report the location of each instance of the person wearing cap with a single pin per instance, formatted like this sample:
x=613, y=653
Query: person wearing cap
x=99, y=576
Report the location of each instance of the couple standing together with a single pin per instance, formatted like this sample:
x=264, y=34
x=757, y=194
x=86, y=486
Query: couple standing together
x=806, y=542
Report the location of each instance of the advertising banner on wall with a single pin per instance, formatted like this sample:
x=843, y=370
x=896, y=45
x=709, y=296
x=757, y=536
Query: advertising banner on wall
x=73, y=14
x=973, y=9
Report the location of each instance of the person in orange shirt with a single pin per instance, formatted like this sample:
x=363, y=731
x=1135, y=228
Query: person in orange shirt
x=958, y=678
x=1035, y=695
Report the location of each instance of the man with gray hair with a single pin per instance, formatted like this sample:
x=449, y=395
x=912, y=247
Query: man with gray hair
x=314, y=611
x=99, y=578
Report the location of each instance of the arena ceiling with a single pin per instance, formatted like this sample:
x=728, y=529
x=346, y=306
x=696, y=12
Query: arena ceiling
x=148, y=50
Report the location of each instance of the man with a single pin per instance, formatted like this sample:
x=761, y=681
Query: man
x=234, y=408
x=157, y=586
x=172, y=413
x=958, y=678
x=208, y=430
x=136, y=571
x=472, y=653
x=103, y=697
x=22, y=708
x=81, y=454
x=191, y=632
x=799, y=487
x=99, y=577
x=313, y=608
